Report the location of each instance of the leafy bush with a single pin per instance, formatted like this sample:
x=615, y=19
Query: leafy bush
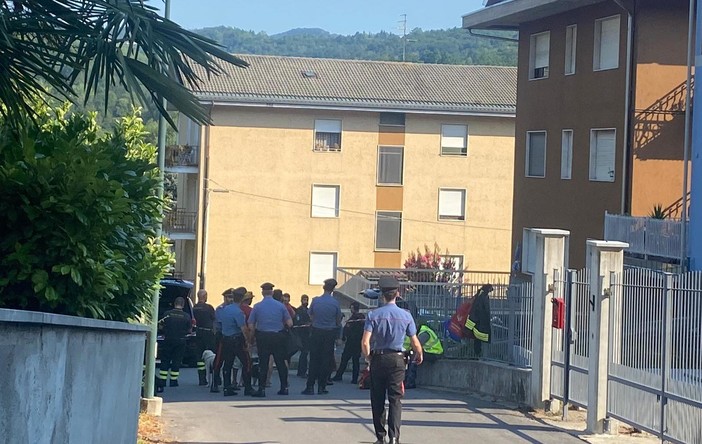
x=79, y=212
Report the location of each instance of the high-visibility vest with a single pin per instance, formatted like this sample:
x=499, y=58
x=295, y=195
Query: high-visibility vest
x=432, y=346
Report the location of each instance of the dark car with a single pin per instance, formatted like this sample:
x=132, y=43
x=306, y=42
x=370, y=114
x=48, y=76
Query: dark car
x=170, y=290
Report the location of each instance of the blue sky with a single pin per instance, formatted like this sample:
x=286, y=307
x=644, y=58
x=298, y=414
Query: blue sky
x=339, y=17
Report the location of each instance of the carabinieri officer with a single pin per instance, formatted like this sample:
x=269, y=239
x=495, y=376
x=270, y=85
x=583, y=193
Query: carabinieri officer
x=384, y=333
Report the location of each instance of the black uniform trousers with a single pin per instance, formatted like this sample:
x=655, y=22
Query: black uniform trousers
x=386, y=374
x=205, y=340
x=172, y=352
x=304, y=334
x=321, y=356
x=352, y=351
x=275, y=344
x=235, y=347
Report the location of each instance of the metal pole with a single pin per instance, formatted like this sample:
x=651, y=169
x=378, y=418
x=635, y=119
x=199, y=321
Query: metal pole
x=567, y=340
x=688, y=135
x=151, y=344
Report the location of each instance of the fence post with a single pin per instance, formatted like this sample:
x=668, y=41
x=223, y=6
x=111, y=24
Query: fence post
x=551, y=253
x=603, y=258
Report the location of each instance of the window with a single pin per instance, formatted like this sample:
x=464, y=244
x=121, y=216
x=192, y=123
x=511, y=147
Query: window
x=325, y=200
x=454, y=260
x=538, y=55
x=322, y=267
x=327, y=135
x=390, y=165
x=392, y=119
x=602, y=149
x=606, y=54
x=566, y=154
x=454, y=140
x=388, y=229
x=452, y=204
x=192, y=133
x=570, y=48
x=536, y=154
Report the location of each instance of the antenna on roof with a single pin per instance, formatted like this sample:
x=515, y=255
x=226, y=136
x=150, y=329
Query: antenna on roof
x=403, y=22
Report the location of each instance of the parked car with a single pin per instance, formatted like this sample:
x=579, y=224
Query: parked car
x=170, y=289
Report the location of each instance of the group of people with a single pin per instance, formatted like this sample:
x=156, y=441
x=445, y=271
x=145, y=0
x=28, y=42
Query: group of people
x=385, y=338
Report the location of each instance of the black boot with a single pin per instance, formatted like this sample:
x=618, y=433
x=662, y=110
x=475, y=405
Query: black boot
x=173, y=383
x=260, y=393
x=202, y=374
x=248, y=391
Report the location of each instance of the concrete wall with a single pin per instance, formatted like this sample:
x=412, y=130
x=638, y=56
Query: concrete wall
x=68, y=380
x=484, y=377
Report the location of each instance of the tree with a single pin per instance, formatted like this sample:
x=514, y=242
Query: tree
x=47, y=45
x=80, y=215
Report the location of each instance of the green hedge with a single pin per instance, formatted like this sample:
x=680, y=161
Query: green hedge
x=79, y=211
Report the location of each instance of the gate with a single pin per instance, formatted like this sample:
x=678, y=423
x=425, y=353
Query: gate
x=655, y=353
x=569, y=342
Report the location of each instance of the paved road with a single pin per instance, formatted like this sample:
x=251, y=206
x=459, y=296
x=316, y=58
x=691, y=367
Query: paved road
x=194, y=416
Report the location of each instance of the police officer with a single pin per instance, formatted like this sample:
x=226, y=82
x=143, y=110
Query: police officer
x=268, y=321
x=228, y=296
x=325, y=313
x=384, y=333
x=175, y=324
x=204, y=319
x=353, y=331
x=233, y=323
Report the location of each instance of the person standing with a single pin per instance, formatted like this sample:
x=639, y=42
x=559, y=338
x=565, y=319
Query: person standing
x=204, y=315
x=234, y=342
x=267, y=322
x=175, y=324
x=353, y=332
x=301, y=327
x=217, y=328
x=384, y=333
x=325, y=313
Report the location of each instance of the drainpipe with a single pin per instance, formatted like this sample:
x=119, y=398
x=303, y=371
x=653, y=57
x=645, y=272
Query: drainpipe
x=688, y=136
x=625, y=207
x=206, y=203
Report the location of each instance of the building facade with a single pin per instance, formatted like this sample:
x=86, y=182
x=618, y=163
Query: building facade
x=313, y=164
x=584, y=145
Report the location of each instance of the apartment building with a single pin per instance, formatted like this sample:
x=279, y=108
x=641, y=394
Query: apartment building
x=312, y=164
x=601, y=102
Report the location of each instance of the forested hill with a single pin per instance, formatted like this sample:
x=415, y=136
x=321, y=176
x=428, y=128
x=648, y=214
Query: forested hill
x=451, y=46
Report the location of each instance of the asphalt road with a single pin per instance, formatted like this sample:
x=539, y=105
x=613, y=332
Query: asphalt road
x=192, y=415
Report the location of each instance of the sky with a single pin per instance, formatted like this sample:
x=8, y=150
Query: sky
x=335, y=16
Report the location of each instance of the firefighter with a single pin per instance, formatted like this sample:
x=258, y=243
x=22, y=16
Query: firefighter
x=431, y=344
x=175, y=324
x=478, y=321
x=204, y=320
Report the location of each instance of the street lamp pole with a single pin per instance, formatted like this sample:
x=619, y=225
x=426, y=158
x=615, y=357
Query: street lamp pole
x=151, y=344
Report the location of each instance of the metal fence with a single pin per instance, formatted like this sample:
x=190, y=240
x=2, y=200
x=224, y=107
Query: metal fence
x=570, y=352
x=433, y=296
x=655, y=353
x=180, y=221
x=646, y=236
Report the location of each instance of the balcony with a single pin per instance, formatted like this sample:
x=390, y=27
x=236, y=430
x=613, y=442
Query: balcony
x=180, y=224
x=647, y=237
x=182, y=158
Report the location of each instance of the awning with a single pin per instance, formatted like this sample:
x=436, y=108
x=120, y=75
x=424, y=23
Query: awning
x=509, y=14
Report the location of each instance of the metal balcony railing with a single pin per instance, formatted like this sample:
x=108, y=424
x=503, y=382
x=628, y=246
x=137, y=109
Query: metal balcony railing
x=180, y=221
x=182, y=156
x=646, y=236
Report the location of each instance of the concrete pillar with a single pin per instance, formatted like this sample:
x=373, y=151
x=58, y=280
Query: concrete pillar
x=603, y=258
x=550, y=254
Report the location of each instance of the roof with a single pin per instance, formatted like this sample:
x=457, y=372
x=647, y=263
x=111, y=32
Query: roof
x=509, y=14
x=360, y=84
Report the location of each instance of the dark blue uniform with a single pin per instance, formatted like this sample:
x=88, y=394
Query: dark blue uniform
x=175, y=324
x=326, y=313
x=269, y=317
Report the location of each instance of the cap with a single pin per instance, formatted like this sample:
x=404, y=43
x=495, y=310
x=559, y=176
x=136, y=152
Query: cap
x=388, y=283
x=267, y=286
x=241, y=291
x=331, y=281
x=248, y=295
x=228, y=293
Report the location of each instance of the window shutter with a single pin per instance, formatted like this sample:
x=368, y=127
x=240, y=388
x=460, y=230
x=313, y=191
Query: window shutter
x=571, y=45
x=566, y=154
x=452, y=204
x=453, y=139
x=541, y=51
x=604, y=155
x=388, y=230
x=609, y=43
x=325, y=201
x=327, y=126
x=322, y=266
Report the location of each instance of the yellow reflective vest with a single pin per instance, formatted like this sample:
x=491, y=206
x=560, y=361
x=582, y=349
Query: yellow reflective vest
x=432, y=346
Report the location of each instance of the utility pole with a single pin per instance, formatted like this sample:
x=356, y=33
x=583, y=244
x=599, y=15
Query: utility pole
x=404, y=35
x=151, y=343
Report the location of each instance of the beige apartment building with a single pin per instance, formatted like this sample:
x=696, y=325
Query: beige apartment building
x=314, y=164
